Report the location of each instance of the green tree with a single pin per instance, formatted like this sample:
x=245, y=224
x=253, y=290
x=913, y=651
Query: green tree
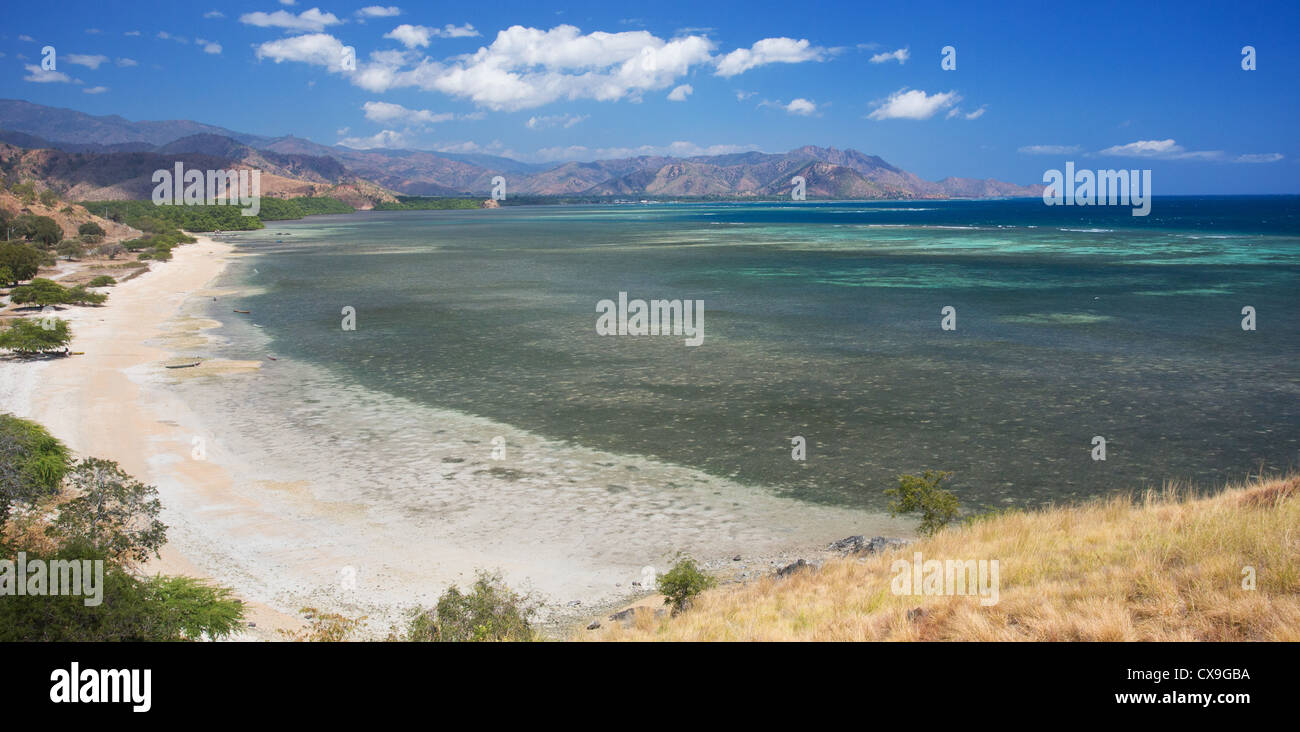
x=70, y=249
x=922, y=494
x=23, y=261
x=32, y=463
x=90, y=228
x=30, y=337
x=112, y=511
x=683, y=582
x=491, y=611
x=49, y=198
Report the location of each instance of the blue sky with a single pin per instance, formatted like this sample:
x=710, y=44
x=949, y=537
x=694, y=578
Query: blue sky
x=1136, y=85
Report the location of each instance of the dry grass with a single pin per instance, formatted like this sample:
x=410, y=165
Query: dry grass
x=1163, y=566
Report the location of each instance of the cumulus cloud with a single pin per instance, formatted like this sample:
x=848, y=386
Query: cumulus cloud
x=386, y=112
x=680, y=93
x=379, y=11
x=209, y=46
x=913, y=104
x=90, y=62
x=1258, y=158
x=801, y=107
x=308, y=20
x=164, y=35
x=555, y=120
x=901, y=56
x=320, y=49
x=1166, y=149
x=770, y=51
x=1050, y=149
x=214, y=14
x=43, y=76
x=384, y=138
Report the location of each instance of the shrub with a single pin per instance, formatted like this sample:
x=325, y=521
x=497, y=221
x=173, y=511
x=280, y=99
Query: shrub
x=490, y=612
x=70, y=249
x=48, y=292
x=113, y=512
x=102, y=281
x=49, y=198
x=23, y=261
x=90, y=228
x=683, y=582
x=32, y=463
x=324, y=627
x=922, y=494
x=28, y=337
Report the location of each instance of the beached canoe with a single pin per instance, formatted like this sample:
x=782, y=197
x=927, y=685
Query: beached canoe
x=245, y=312
x=184, y=365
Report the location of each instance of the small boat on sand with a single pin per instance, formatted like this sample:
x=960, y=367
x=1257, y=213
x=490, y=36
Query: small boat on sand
x=184, y=365
x=245, y=312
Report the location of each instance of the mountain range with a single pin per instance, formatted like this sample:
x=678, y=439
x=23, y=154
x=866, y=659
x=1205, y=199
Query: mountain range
x=110, y=157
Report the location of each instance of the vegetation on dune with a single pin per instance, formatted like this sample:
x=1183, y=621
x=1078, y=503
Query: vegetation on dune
x=32, y=463
x=52, y=510
x=44, y=292
x=922, y=494
x=33, y=337
x=682, y=583
x=490, y=611
x=1163, y=566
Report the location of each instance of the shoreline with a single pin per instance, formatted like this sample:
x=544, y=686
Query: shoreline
x=286, y=534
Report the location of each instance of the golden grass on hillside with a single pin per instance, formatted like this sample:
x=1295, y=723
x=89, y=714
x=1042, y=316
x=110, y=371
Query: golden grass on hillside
x=1164, y=567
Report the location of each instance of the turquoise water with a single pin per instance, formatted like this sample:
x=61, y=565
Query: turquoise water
x=823, y=320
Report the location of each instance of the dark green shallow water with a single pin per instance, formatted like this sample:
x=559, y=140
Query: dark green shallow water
x=823, y=320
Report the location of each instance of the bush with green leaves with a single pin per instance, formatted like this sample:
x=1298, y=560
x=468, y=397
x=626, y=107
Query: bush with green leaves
x=133, y=608
x=682, y=583
x=21, y=260
x=111, y=511
x=30, y=337
x=90, y=228
x=491, y=611
x=102, y=281
x=70, y=249
x=32, y=463
x=44, y=292
x=922, y=494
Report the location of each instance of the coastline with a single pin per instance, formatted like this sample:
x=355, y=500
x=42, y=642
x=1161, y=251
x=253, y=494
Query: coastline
x=287, y=535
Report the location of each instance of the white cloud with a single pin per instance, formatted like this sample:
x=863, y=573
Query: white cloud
x=976, y=114
x=209, y=46
x=214, y=14
x=289, y=2
x=680, y=93
x=677, y=149
x=742, y=95
x=1167, y=149
x=164, y=35
x=131, y=33
x=413, y=36
x=25, y=37
x=901, y=56
x=1258, y=158
x=1050, y=149
x=95, y=90
x=385, y=138
x=556, y=120
x=769, y=51
x=127, y=62
x=801, y=107
x=94, y=31
x=320, y=49
x=913, y=104
x=385, y=112
x=43, y=76
x=90, y=62
x=379, y=11
x=308, y=20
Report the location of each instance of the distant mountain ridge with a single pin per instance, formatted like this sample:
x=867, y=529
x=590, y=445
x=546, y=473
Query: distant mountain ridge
x=299, y=164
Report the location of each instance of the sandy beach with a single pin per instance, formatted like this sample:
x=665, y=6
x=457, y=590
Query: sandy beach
x=305, y=535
